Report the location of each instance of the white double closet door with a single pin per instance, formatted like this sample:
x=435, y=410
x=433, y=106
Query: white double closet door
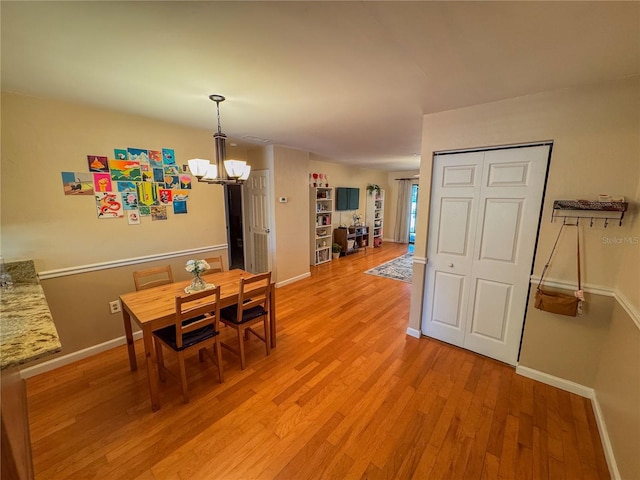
x=485, y=212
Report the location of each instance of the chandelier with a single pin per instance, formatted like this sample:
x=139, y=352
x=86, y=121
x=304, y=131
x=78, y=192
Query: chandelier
x=223, y=172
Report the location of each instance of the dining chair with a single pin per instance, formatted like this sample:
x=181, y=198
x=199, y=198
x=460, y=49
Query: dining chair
x=195, y=328
x=252, y=308
x=152, y=277
x=215, y=263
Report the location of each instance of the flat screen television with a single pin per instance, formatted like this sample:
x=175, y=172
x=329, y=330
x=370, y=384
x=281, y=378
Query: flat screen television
x=347, y=198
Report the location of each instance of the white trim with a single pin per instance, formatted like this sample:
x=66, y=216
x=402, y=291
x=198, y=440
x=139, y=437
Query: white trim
x=586, y=392
x=63, y=272
x=606, y=441
x=541, y=143
x=412, y=332
x=292, y=280
x=561, y=383
x=624, y=302
x=628, y=307
x=420, y=260
x=75, y=356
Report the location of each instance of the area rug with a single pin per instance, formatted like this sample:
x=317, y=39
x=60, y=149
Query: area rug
x=400, y=268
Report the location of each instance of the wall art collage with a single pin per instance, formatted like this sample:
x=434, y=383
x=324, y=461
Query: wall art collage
x=136, y=183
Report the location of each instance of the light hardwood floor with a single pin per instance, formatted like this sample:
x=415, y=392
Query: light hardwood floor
x=346, y=394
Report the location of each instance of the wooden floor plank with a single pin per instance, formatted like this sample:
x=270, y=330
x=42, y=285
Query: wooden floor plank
x=346, y=394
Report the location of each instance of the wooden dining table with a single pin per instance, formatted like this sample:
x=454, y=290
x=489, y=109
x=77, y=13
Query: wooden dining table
x=155, y=308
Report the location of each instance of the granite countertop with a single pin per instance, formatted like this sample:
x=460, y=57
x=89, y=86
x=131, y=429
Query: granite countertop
x=27, y=331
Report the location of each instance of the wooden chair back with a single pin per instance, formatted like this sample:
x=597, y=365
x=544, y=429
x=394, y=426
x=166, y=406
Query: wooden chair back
x=202, y=308
x=215, y=263
x=254, y=292
x=152, y=277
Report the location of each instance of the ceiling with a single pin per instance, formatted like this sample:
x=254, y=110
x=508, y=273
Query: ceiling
x=348, y=81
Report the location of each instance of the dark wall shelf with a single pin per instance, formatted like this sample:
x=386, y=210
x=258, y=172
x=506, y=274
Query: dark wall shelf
x=593, y=211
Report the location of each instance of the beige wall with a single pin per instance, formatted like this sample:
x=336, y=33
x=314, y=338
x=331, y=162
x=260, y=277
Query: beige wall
x=617, y=386
x=41, y=138
x=341, y=175
x=596, y=149
x=291, y=218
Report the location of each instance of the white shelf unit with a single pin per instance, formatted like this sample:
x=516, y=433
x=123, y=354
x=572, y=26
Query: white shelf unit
x=374, y=217
x=321, y=232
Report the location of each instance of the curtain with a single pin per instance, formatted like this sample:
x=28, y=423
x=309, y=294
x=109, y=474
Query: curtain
x=403, y=212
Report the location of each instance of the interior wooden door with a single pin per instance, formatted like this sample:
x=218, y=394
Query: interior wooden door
x=485, y=214
x=259, y=220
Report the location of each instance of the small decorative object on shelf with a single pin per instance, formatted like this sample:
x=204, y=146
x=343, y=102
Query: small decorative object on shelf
x=196, y=268
x=373, y=187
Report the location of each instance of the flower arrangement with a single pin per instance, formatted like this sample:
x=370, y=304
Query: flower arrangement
x=196, y=267
x=356, y=218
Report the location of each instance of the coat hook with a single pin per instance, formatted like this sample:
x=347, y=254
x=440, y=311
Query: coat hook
x=606, y=222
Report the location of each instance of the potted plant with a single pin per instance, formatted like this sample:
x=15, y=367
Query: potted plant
x=373, y=187
x=336, y=248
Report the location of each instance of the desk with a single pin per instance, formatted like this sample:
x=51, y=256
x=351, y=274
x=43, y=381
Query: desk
x=155, y=308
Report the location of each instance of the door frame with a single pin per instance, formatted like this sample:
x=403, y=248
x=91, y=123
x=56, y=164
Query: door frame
x=548, y=143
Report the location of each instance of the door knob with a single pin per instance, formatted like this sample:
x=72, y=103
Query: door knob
x=266, y=230
x=451, y=264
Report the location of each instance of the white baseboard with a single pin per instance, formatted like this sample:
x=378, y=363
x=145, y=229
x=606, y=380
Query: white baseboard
x=75, y=356
x=561, y=383
x=586, y=392
x=293, y=280
x=412, y=332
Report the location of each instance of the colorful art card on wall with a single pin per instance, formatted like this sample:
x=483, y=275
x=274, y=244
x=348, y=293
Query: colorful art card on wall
x=97, y=164
x=168, y=156
x=144, y=211
x=147, y=174
x=172, y=182
x=171, y=170
x=109, y=205
x=127, y=186
x=147, y=194
x=159, y=212
x=155, y=158
x=133, y=217
x=158, y=175
x=130, y=200
x=120, y=154
x=102, y=182
x=125, y=170
x=185, y=182
x=181, y=195
x=165, y=196
x=179, y=207
x=138, y=155
x=77, y=183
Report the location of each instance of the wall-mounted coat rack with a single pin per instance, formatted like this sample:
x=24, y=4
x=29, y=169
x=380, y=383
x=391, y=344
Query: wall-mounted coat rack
x=593, y=211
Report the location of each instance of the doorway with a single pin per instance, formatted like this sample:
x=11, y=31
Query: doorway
x=235, y=232
x=483, y=227
x=413, y=210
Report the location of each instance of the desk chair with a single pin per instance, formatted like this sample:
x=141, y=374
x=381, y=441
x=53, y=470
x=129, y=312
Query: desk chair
x=252, y=308
x=152, y=277
x=215, y=263
x=195, y=328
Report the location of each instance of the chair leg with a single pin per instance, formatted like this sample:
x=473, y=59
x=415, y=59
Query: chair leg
x=201, y=354
x=241, y=347
x=267, y=335
x=159, y=359
x=218, y=348
x=183, y=377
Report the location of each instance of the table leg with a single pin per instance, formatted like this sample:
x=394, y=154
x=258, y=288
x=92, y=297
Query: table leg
x=126, y=318
x=272, y=315
x=152, y=368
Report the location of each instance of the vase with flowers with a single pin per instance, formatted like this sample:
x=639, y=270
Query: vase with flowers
x=196, y=268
